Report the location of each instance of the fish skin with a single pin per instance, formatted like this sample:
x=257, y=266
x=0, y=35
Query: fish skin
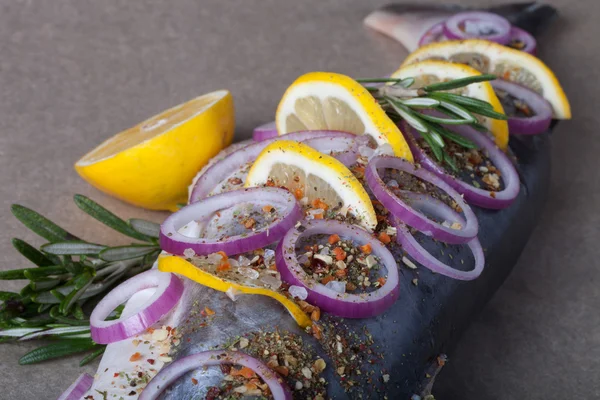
x=406, y=23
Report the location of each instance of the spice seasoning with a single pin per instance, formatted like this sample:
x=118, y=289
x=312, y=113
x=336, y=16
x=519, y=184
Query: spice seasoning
x=287, y=354
x=354, y=356
x=473, y=165
x=340, y=264
x=256, y=268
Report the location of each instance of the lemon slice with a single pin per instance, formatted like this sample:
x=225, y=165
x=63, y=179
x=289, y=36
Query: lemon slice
x=183, y=267
x=314, y=176
x=151, y=164
x=428, y=72
x=505, y=62
x=325, y=100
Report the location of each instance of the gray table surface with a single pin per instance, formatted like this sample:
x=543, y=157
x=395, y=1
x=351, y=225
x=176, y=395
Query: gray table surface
x=75, y=72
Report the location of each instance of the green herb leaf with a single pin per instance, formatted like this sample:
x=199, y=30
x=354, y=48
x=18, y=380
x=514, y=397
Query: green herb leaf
x=126, y=252
x=55, y=350
x=42, y=308
x=107, y=218
x=60, y=332
x=18, y=332
x=78, y=312
x=26, y=291
x=445, y=121
x=407, y=114
x=479, y=127
x=73, y=248
x=56, y=293
x=437, y=150
x=406, y=82
x=74, y=268
x=55, y=314
x=455, y=137
x=36, y=322
x=487, y=113
x=378, y=80
x=461, y=100
x=7, y=295
x=421, y=102
x=458, y=83
x=92, y=290
x=41, y=284
x=437, y=139
x=41, y=225
x=92, y=356
x=460, y=111
x=81, y=283
x=12, y=274
x=42, y=272
x=31, y=253
x=147, y=228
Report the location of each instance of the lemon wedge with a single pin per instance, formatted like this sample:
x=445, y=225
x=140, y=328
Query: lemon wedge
x=183, y=267
x=329, y=101
x=152, y=164
x=314, y=177
x=507, y=63
x=430, y=71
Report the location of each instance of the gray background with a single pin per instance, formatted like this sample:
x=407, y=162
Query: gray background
x=74, y=72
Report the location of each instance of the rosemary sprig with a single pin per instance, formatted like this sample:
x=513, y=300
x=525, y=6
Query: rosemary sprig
x=68, y=278
x=401, y=102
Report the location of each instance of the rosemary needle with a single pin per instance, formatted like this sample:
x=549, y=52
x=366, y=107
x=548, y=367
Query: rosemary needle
x=68, y=275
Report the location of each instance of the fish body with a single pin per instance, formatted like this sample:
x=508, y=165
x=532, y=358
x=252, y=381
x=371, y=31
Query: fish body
x=404, y=343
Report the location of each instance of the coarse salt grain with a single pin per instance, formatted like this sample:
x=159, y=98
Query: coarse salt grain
x=189, y=253
x=299, y=292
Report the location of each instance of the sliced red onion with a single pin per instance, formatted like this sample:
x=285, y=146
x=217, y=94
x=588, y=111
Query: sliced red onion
x=264, y=132
x=220, y=156
x=175, y=370
x=539, y=122
x=172, y=241
x=433, y=35
x=168, y=292
x=478, y=25
x=78, y=388
x=223, y=169
x=326, y=297
x=473, y=195
x=422, y=256
x=412, y=217
x=520, y=36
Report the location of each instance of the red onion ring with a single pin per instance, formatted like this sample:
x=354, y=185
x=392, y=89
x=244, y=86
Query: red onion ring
x=176, y=243
x=341, y=304
x=222, y=169
x=175, y=370
x=518, y=34
x=422, y=256
x=78, y=388
x=539, y=122
x=412, y=217
x=433, y=35
x=473, y=195
x=265, y=131
x=168, y=292
x=501, y=26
